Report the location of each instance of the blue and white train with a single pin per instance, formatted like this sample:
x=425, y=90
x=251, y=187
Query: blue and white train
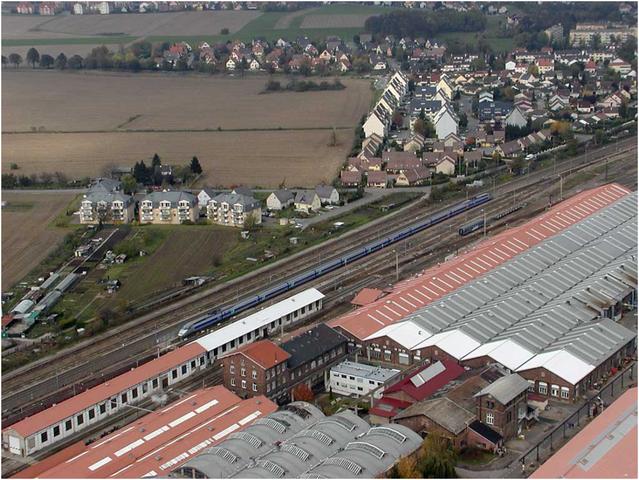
x=213, y=318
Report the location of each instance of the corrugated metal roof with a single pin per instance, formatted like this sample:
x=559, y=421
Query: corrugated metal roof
x=411, y=295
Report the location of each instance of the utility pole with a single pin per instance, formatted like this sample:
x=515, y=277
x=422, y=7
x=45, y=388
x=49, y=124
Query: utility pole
x=396, y=265
x=561, y=188
x=484, y=211
x=606, y=177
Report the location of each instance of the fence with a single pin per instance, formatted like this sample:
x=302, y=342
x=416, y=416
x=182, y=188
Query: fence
x=569, y=427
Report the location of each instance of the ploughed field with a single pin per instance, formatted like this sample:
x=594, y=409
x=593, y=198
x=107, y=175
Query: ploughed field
x=27, y=231
x=103, y=119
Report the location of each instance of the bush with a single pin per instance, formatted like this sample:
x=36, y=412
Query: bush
x=224, y=31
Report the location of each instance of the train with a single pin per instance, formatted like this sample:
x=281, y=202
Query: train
x=477, y=224
x=212, y=318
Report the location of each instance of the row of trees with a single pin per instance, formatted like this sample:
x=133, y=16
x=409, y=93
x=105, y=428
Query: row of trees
x=43, y=180
x=403, y=23
x=154, y=175
x=303, y=86
x=45, y=61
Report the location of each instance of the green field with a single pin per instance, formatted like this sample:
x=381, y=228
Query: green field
x=115, y=39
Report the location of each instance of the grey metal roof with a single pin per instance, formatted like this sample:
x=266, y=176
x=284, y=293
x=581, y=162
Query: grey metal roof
x=542, y=294
x=240, y=448
x=312, y=344
x=370, y=455
x=506, y=388
x=443, y=411
x=308, y=448
x=362, y=370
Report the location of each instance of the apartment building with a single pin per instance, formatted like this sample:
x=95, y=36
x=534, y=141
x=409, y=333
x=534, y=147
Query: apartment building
x=359, y=379
x=168, y=207
x=232, y=209
x=586, y=32
x=105, y=202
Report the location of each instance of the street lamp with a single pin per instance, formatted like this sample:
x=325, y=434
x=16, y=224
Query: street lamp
x=396, y=265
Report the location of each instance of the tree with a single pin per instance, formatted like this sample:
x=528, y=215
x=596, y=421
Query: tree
x=5, y=60
x=129, y=184
x=437, y=458
x=407, y=467
x=75, y=62
x=141, y=173
x=224, y=31
x=61, y=62
x=196, y=168
x=156, y=162
x=463, y=120
x=595, y=42
x=305, y=67
x=15, y=59
x=398, y=118
x=46, y=61
x=303, y=393
x=33, y=56
x=533, y=69
x=250, y=223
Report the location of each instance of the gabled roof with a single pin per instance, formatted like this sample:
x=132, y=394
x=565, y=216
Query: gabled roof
x=506, y=388
x=312, y=344
x=426, y=381
x=442, y=411
x=264, y=353
x=486, y=432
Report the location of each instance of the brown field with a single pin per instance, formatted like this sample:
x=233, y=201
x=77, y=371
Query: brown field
x=138, y=25
x=165, y=101
x=174, y=260
x=95, y=105
x=228, y=158
x=335, y=21
x=27, y=236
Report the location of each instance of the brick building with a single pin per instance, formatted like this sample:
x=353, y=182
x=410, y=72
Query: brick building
x=502, y=405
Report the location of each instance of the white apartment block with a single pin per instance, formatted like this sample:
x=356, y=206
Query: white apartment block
x=232, y=209
x=104, y=202
x=168, y=208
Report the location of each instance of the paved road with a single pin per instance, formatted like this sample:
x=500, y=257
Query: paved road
x=371, y=195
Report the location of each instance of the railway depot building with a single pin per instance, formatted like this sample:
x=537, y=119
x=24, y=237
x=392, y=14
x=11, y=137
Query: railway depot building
x=264, y=368
x=75, y=414
x=549, y=312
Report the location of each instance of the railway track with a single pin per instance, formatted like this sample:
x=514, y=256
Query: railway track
x=53, y=386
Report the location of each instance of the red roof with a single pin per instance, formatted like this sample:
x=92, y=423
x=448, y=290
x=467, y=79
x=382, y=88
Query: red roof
x=410, y=295
x=366, y=296
x=265, y=353
x=426, y=389
x=6, y=320
x=161, y=441
x=106, y=390
x=605, y=448
x=388, y=407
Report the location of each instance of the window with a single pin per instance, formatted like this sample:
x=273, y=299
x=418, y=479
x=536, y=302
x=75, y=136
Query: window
x=193, y=364
x=554, y=390
x=241, y=340
x=360, y=389
x=531, y=385
x=68, y=425
x=79, y=419
x=124, y=397
x=224, y=348
x=114, y=403
x=232, y=381
x=268, y=387
x=255, y=387
x=91, y=414
x=145, y=388
x=174, y=374
x=509, y=416
x=44, y=436
x=565, y=393
x=202, y=360
x=543, y=388
x=103, y=408
x=313, y=364
x=244, y=384
x=254, y=375
x=243, y=372
x=56, y=431
x=233, y=343
x=215, y=352
x=490, y=404
x=184, y=368
x=490, y=418
x=403, y=359
x=371, y=382
x=268, y=374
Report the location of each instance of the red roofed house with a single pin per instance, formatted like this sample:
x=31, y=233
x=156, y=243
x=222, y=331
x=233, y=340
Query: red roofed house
x=377, y=179
x=350, y=178
x=413, y=388
x=251, y=370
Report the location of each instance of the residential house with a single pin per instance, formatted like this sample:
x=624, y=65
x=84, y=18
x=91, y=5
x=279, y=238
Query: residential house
x=307, y=201
x=620, y=66
x=415, y=143
x=204, y=197
x=47, y=8
x=234, y=209
x=280, y=199
x=328, y=194
x=446, y=122
x=377, y=179
x=397, y=162
x=375, y=124
x=350, y=178
x=104, y=202
x=413, y=176
x=446, y=165
x=473, y=157
x=172, y=207
x=516, y=118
